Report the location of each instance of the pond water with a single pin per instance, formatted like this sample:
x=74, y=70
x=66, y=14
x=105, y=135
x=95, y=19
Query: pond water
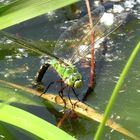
x=20, y=66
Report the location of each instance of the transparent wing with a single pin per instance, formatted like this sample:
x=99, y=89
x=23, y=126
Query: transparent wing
x=67, y=45
x=28, y=44
x=74, y=43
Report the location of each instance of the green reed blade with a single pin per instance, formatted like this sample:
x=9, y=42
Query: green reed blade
x=22, y=10
x=116, y=92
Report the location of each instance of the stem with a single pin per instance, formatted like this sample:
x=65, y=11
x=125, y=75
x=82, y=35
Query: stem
x=92, y=63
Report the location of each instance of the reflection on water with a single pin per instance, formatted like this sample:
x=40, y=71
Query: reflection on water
x=14, y=72
x=20, y=66
x=127, y=106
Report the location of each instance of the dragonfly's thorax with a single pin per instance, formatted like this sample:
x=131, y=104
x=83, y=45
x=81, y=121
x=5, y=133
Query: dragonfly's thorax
x=68, y=73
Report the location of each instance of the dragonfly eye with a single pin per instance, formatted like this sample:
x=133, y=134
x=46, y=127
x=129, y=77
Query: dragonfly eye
x=78, y=84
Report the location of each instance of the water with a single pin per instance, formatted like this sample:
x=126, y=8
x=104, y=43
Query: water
x=20, y=66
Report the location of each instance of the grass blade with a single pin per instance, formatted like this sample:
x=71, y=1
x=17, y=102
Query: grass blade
x=22, y=10
x=116, y=92
x=31, y=123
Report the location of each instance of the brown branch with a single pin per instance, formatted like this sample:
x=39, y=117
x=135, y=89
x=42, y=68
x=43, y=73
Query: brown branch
x=80, y=108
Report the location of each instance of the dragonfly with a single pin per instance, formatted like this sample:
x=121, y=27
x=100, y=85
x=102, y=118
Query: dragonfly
x=72, y=46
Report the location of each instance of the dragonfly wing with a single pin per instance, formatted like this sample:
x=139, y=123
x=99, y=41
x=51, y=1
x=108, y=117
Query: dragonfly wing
x=74, y=43
x=102, y=29
x=44, y=48
x=68, y=43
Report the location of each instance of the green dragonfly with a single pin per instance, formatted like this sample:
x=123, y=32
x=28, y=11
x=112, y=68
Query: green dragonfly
x=73, y=45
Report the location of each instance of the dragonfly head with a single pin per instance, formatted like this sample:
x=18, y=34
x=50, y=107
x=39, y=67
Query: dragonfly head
x=74, y=80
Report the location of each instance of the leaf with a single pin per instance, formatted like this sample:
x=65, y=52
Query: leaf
x=31, y=123
x=22, y=10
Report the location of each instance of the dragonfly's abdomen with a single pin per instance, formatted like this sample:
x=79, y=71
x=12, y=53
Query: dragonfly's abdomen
x=69, y=74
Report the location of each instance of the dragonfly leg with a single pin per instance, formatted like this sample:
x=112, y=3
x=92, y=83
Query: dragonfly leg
x=51, y=83
x=62, y=95
x=70, y=98
x=41, y=72
x=46, y=89
x=68, y=113
x=75, y=94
